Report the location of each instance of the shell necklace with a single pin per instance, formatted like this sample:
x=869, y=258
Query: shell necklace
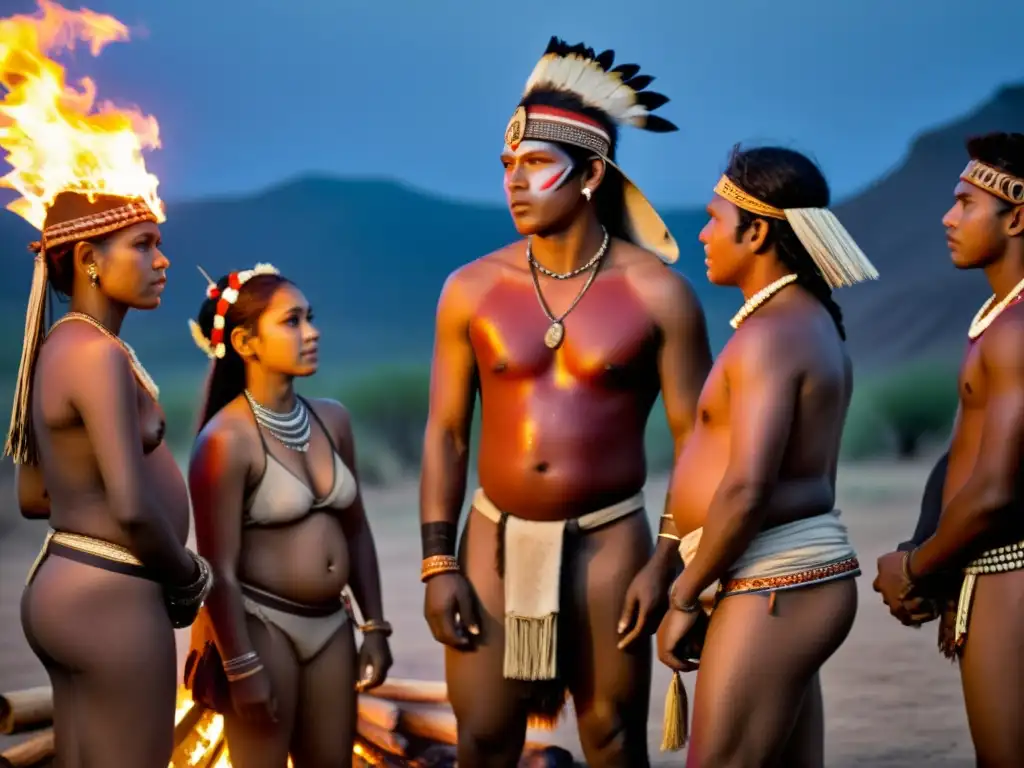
x=982, y=321
x=291, y=429
x=754, y=302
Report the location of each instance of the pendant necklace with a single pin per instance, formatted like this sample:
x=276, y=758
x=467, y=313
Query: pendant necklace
x=291, y=429
x=758, y=299
x=556, y=331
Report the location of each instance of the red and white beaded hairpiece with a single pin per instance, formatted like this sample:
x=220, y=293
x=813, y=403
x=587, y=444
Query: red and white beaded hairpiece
x=215, y=347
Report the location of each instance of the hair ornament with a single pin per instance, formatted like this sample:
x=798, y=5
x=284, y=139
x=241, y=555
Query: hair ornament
x=214, y=347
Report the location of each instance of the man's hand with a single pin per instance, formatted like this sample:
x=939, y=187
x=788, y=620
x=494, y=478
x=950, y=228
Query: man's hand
x=673, y=649
x=645, y=603
x=450, y=610
x=898, y=592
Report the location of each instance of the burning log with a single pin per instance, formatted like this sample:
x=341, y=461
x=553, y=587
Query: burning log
x=378, y=712
x=32, y=752
x=25, y=710
x=382, y=738
x=414, y=729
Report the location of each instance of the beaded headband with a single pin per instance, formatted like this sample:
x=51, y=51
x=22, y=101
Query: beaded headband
x=214, y=347
x=999, y=183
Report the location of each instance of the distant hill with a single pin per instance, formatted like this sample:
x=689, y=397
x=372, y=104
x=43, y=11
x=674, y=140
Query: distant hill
x=372, y=256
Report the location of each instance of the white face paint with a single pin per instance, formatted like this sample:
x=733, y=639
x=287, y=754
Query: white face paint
x=542, y=165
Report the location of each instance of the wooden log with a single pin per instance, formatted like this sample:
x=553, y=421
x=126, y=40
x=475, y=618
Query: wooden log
x=187, y=723
x=25, y=710
x=439, y=725
x=32, y=752
x=381, y=738
x=381, y=713
x=430, y=724
x=417, y=691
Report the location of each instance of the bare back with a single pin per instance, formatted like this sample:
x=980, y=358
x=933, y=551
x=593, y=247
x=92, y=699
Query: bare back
x=563, y=430
x=70, y=467
x=791, y=339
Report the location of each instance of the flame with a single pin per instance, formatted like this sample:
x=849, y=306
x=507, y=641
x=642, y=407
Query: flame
x=207, y=738
x=56, y=136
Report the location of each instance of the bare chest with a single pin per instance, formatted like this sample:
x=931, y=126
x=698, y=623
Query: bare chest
x=608, y=337
x=971, y=384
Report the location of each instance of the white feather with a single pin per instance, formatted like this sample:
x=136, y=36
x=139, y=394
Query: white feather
x=594, y=87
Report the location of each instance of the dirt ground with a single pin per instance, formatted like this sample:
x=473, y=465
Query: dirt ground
x=891, y=700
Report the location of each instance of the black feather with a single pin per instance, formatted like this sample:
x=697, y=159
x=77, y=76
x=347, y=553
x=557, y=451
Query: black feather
x=627, y=71
x=657, y=124
x=606, y=59
x=639, y=82
x=651, y=100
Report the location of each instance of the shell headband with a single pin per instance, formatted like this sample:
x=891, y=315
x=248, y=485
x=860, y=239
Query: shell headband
x=214, y=347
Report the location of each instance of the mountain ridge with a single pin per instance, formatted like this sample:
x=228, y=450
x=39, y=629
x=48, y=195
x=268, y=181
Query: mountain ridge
x=373, y=253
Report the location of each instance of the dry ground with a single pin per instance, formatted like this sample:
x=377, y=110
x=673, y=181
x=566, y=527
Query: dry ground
x=891, y=700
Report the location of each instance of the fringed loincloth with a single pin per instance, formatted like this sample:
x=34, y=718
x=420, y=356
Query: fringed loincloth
x=954, y=623
x=532, y=573
x=90, y=551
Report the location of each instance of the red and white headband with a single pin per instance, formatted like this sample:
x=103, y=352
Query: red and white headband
x=215, y=347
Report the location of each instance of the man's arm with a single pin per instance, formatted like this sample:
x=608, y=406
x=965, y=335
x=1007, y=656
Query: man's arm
x=453, y=388
x=975, y=511
x=763, y=393
x=684, y=360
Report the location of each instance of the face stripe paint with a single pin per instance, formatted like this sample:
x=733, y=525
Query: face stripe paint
x=536, y=168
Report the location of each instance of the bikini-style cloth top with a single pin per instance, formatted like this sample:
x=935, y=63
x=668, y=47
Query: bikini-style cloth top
x=281, y=497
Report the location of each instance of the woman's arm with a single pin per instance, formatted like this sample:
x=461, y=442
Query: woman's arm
x=365, y=579
x=216, y=479
x=107, y=401
x=33, y=500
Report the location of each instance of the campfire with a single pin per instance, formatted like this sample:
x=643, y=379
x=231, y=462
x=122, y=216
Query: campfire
x=403, y=724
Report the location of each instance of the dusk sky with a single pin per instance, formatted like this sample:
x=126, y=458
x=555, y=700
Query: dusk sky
x=251, y=92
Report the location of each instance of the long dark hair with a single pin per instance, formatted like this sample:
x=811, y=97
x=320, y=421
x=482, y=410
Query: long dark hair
x=227, y=378
x=608, y=200
x=785, y=179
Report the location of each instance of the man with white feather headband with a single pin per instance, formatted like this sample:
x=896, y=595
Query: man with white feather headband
x=568, y=336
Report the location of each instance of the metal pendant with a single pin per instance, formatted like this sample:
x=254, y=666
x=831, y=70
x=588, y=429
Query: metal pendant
x=555, y=334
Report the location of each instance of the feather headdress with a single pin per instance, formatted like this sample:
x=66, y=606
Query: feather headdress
x=617, y=92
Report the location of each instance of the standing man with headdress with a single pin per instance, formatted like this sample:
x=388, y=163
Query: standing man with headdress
x=978, y=544
x=752, y=494
x=567, y=336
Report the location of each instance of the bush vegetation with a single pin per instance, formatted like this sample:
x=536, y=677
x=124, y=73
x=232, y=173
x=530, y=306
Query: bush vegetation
x=891, y=415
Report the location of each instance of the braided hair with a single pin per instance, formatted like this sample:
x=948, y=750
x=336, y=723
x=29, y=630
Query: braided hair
x=784, y=178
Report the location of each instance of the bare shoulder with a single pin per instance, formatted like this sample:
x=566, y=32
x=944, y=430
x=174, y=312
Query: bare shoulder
x=769, y=346
x=82, y=345
x=225, y=440
x=335, y=417
x=664, y=290
x=477, y=276
x=1002, y=345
